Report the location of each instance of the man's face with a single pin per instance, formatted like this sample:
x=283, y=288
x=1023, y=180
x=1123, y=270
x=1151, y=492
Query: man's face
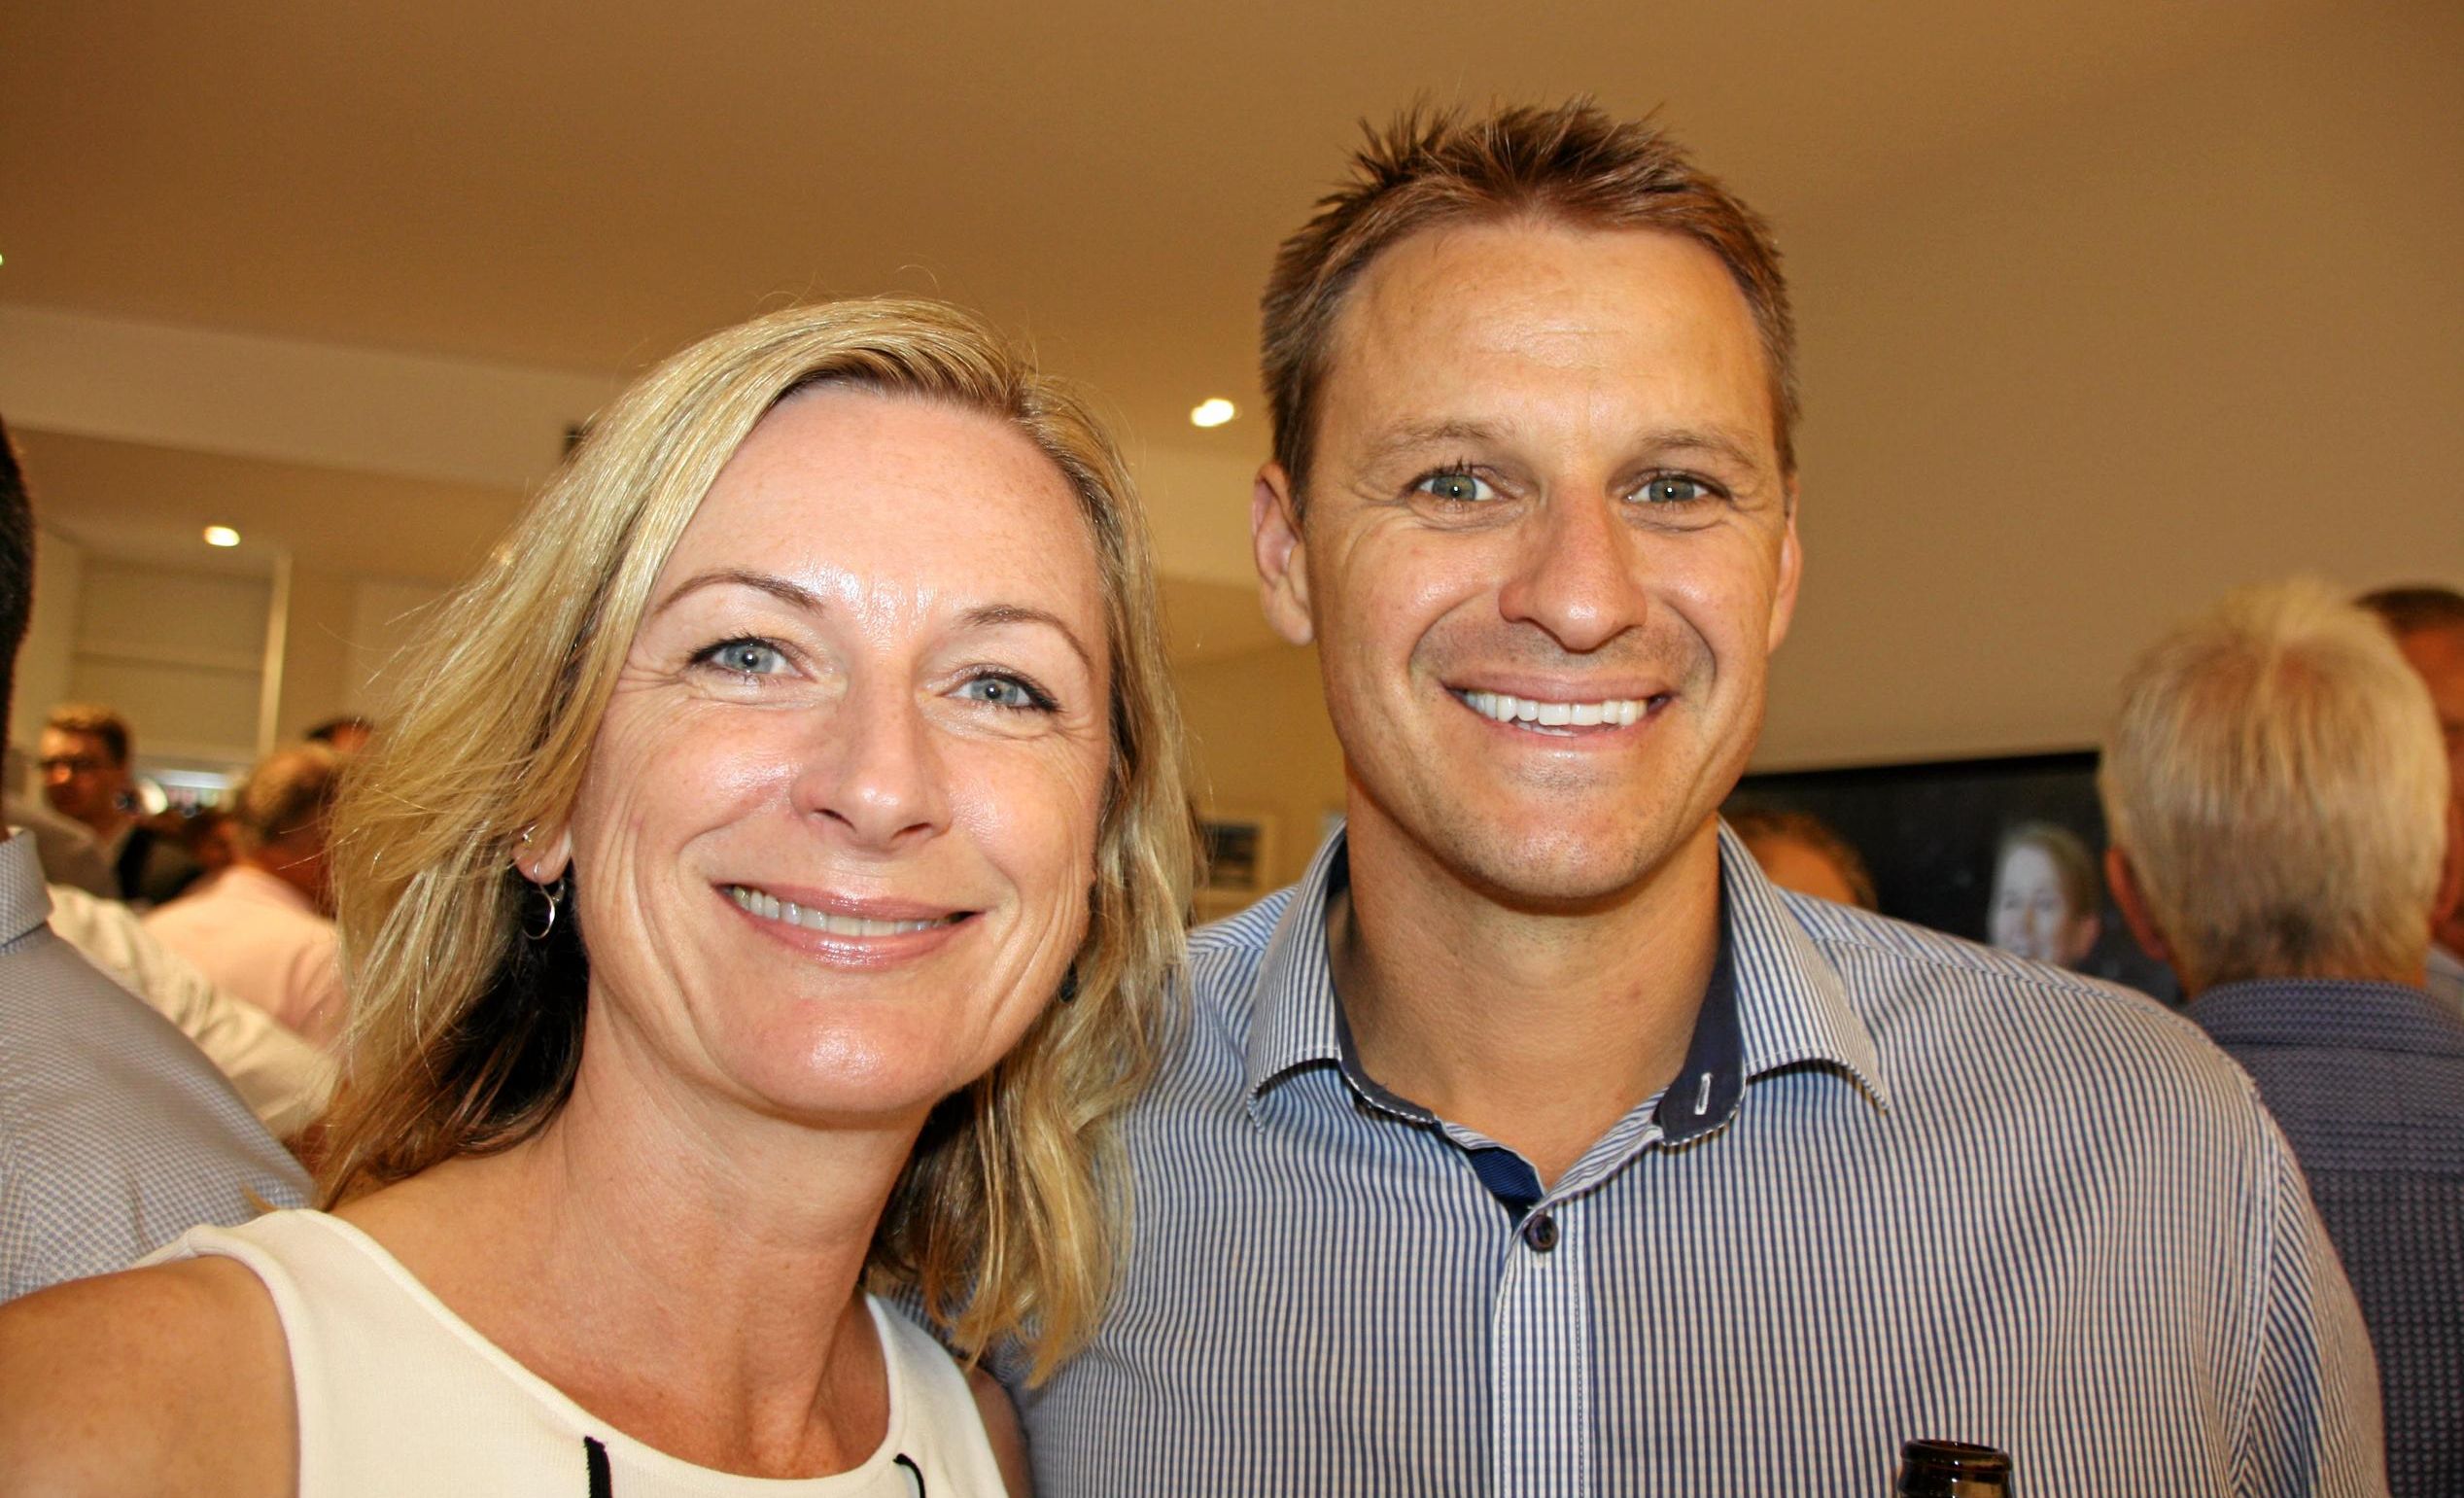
x=1547, y=549
x=80, y=778
x=2438, y=654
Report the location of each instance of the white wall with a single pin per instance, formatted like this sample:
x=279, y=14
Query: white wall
x=179, y=653
x=2075, y=384
x=384, y=616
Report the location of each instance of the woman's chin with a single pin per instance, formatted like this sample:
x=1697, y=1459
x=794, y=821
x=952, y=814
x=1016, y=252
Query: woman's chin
x=879, y=1076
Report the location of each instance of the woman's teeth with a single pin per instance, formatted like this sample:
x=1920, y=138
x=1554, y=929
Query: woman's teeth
x=1615, y=712
x=771, y=907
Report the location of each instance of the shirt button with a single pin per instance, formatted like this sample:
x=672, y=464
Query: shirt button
x=1540, y=1231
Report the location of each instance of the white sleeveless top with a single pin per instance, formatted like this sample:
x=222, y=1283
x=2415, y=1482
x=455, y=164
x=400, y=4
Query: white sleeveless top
x=400, y=1398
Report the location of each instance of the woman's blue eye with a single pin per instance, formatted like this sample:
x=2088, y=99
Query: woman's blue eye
x=1674, y=489
x=746, y=657
x=1456, y=487
x=1004, y=692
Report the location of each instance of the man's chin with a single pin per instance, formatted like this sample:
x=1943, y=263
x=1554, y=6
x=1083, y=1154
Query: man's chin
x=1573, y=871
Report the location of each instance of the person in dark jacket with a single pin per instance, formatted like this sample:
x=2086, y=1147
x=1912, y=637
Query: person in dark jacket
x=2276, y=790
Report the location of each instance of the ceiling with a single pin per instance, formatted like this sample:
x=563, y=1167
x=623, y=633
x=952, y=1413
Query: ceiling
x=582, y=188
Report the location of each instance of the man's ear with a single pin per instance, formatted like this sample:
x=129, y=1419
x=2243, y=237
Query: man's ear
x=542, y=853
x=1282, y=555
x=1791, y=568
x=2450, y=894
x=2132, y=902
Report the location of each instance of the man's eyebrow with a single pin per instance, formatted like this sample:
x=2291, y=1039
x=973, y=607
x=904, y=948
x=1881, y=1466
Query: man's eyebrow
x=1412, y=436
x=1429, y=433
x=1708, y=439
x=777, y=587
x=992, y=615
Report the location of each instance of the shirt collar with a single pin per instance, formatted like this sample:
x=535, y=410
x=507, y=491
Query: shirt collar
x=1296, y=1020
x=1775, y=1000
x=1791, y=1002
x=2342, y=1013
x=25, y=903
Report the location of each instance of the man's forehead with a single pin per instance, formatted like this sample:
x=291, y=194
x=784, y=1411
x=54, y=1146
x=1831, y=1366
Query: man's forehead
x=1616, y=304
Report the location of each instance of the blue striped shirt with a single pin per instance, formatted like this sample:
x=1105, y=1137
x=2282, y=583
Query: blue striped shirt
x=1904, y=1186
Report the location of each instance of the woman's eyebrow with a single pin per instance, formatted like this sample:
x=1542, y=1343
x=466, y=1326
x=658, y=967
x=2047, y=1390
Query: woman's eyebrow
x=991, y=614
x=797, y=596
x=789, y=593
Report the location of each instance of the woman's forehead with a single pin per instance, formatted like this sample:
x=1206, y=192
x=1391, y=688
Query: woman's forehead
x=841, y=488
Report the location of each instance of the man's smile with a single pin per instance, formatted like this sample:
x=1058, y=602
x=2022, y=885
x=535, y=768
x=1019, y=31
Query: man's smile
x=1560, y=716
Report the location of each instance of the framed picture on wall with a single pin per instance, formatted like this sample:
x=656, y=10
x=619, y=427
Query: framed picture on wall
x=1240, y=860
x=1937, y=835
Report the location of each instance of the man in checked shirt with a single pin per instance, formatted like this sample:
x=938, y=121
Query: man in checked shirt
x=1535, y=1144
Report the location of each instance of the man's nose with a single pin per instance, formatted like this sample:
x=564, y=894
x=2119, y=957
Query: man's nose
x=1580, y=574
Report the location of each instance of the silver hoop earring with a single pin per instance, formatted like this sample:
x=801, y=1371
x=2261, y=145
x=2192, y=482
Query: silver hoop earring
x=554, y=894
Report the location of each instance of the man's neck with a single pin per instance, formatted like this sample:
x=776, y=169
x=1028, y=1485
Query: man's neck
x=112, y=828
x=1539, y=1028
x=278, y=874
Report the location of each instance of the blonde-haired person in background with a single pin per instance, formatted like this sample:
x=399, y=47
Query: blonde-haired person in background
x=764, y=888
x=2278, y=799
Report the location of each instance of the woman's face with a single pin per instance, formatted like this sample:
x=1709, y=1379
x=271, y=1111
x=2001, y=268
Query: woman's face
x=833, y=847
x=2031, y=914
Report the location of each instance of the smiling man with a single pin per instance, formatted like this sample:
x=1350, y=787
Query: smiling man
x=1534, y=1143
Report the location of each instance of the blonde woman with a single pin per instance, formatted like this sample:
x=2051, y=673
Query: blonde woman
x=763, y=891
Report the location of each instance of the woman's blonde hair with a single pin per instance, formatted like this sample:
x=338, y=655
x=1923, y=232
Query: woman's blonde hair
x=465, y=1034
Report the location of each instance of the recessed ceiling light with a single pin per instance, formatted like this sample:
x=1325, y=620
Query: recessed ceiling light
x=220, y=535
x=1212, y=412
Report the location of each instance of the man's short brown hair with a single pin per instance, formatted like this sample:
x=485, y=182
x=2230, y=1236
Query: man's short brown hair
x=1573, y=163
x=95, y=721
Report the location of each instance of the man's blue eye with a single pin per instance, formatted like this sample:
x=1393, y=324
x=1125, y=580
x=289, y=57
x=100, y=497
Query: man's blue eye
x=1674, y=489
x=1456, y=488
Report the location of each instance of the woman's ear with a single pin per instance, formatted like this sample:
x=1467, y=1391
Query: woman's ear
x=542, y=855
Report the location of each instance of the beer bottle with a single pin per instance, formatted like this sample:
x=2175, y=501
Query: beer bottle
x=1952, y=1469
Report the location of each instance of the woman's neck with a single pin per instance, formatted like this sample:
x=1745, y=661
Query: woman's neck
x=683, y=1266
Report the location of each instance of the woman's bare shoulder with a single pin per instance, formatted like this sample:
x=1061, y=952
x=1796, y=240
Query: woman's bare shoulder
x=173, y=1379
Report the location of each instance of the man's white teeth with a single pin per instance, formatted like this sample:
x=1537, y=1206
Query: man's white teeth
x=1504, y=708
x=771, y=907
